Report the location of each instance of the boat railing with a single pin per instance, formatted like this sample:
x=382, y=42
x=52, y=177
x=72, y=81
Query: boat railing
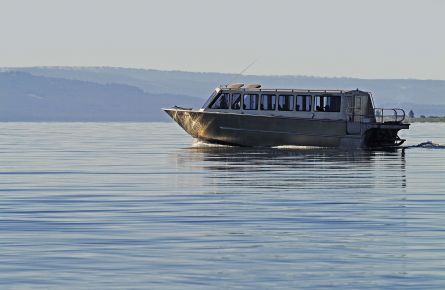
x=394, y=115
x=287, y=90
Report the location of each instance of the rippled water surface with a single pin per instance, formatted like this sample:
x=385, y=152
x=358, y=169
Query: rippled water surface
x=136, y=206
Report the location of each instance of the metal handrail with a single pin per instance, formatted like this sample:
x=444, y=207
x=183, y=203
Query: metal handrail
x=397, y=115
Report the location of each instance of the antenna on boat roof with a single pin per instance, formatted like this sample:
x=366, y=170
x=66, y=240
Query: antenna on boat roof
x=241, y=72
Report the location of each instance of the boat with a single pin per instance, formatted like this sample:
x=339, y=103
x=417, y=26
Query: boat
x=248, y=115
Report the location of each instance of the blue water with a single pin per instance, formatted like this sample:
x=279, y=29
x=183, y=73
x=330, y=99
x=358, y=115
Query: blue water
x=136, y=206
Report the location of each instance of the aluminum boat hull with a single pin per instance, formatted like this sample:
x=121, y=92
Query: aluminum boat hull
x=269, y=131
x=257, y=130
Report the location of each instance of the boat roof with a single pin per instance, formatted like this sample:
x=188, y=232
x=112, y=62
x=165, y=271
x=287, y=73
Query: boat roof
x=257, y=88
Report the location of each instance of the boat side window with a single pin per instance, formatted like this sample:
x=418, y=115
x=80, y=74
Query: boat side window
x=250, y=102
x=285, y=103
x=303, y=103
x=221, y=102
x=268, y=102
x=236, y=102
x=328, y=103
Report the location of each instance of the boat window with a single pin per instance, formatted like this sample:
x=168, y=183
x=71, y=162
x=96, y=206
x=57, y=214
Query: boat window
x=250, y=102
x=222, y=102
x=236, y=102
x=327, y=103
x=268, y=102
x=304, y=103
x=285, y=103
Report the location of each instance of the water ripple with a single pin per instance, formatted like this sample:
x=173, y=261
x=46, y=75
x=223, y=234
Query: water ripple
x=137, y=206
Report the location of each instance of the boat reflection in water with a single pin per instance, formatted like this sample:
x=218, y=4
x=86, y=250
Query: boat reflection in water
x=298, y=169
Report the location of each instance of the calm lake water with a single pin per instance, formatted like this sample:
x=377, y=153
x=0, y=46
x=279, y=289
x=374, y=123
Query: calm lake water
x=136, y=206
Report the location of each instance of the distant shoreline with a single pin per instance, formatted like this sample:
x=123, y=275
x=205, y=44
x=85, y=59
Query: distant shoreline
x=118, y=94
x=425, y=120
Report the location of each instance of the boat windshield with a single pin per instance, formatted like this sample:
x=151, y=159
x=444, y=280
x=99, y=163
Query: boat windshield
x=212, y=97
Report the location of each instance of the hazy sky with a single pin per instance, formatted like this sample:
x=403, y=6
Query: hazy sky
x=356, y=38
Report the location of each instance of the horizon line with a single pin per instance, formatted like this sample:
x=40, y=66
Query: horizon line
x=204, y=72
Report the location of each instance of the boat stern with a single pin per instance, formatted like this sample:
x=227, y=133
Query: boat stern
x=384, y=135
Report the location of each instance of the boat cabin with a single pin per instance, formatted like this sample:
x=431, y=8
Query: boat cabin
x=351, y=106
